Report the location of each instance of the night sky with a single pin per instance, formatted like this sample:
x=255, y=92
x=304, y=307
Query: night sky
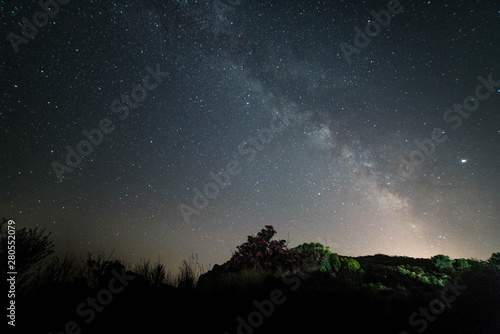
x=162, y=128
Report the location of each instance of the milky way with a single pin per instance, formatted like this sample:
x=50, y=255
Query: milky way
x=259, y=117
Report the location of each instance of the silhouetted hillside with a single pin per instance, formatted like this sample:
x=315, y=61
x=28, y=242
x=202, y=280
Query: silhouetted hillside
x=265, y=287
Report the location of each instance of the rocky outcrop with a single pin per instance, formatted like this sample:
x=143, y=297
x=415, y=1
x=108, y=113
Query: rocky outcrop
x=212, y=279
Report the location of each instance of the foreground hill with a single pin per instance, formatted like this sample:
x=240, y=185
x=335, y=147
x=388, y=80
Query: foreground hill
x=267, y=288
x=392, y=299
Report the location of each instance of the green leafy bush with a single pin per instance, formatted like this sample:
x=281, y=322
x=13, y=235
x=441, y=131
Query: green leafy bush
x=324, y=265
x=335, y=264
x=442, y=262
x=419, y=274
x=461, y=264
x=315, y=249
x=328, y=262
x=350, y=270
x=495, y=260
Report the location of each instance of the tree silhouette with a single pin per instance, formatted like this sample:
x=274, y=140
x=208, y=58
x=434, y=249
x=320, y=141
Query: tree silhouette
x=495, y=260
x=261, y=251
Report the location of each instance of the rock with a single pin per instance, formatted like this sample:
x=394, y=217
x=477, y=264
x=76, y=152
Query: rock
x=212, y=279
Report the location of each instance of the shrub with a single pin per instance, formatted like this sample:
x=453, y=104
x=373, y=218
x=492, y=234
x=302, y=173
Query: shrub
x=261, y=251
x=154, y=273
x=442, y=262
x=157, y=274
x=419, y=274
x=328, y=262
x=53, y=270
x=334, y=262
x=32, y=246
x=350, y=270
x=59, y=270
x=324, y=265
x=495, y=260
x=97, y=270
x=189, y=273
x=461, y=264
x=316, y=250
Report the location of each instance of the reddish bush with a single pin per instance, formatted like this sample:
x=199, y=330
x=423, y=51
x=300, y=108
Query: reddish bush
x=261, y=251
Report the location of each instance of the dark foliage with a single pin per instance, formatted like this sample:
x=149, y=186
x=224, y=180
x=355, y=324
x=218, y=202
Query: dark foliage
x=442, y=262
x=261, y=251
x=495, y=260
x=31, y=245
x=374, y=293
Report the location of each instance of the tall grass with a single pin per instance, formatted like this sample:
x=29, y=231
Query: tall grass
x=189, y=272
x=61, y=269
x=55, y=269
x=155, y=273
x=96, y=268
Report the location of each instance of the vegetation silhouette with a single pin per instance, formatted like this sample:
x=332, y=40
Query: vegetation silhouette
x=317, y=289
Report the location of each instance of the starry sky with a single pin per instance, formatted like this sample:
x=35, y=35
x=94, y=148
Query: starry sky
x=162, y=128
